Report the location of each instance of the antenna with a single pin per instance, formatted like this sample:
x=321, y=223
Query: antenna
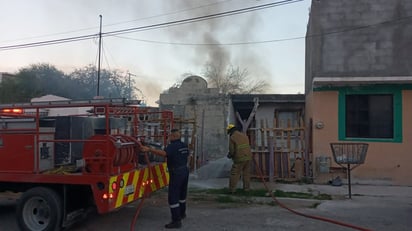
x=130, y=84
x=100, y=51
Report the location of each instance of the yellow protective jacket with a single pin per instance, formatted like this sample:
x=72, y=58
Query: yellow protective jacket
x=239, y=147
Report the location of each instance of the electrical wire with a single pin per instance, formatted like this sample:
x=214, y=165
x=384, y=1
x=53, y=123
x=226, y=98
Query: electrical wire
x=49, y=42
x=150, y=27
x=213, y=44
x=105, y=52
x=196, y=19
x=276, y=40
x=171, y=13
x=202, y=18
x=97, y=54
x=105, y=58
x=123, y=22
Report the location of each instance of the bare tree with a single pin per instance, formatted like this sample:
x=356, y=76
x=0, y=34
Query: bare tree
x=233, y=80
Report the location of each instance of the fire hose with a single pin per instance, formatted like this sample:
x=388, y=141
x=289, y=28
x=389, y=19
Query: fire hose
x=146, y=190
x=324, y=219
x=145, y=195
x=303, y=214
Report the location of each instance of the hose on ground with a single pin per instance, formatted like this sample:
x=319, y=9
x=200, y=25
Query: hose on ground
x=303, y=214
x=324, y=219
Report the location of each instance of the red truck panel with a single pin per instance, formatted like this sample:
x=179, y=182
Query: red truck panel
x=17, y=153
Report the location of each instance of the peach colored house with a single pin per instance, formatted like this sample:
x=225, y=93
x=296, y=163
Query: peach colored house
x=358, y=87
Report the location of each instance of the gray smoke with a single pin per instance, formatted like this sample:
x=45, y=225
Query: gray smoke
x=237, y=28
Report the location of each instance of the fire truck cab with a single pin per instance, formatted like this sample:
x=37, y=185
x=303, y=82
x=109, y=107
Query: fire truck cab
x=64, y=158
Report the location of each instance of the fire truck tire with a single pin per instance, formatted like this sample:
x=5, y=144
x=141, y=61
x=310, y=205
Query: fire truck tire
x=40, y=209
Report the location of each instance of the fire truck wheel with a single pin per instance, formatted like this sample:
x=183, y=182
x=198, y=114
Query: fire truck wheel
x=39, y=208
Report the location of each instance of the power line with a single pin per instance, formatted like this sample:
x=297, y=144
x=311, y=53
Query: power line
x=171, y=13
x=339, y=31
x=49, y=42
x=213, y=44
x=393, y=21
x=197, y=19
x=124, y=22
x=151, y=27
x=202, y=18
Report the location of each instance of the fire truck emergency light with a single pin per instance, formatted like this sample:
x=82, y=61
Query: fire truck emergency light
x=12, y=110
x=107, y=196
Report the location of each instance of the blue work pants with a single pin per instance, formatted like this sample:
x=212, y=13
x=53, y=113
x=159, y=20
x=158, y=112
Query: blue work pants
x=178, y=182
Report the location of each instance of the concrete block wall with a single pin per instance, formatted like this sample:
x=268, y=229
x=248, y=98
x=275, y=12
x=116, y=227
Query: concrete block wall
x=359, y=38
x=194, y=100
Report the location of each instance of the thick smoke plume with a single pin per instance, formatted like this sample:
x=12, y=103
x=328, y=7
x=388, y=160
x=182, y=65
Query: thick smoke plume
x=237, y=28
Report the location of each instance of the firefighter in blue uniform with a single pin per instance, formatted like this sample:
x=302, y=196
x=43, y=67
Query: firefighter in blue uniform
x=177, y=154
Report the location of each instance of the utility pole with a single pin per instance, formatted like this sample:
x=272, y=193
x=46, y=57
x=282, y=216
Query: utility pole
x=130, y=84
x=100, y=51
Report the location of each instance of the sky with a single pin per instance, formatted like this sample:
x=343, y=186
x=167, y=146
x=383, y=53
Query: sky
x=260, y=41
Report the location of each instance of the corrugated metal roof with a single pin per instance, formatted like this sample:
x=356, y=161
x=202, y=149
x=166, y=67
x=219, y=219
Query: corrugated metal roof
x=269, y=98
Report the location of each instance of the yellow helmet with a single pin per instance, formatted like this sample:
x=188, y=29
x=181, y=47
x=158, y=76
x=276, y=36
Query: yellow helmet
x=229, y=127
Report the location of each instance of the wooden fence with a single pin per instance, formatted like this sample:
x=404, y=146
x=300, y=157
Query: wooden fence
x=278, y=151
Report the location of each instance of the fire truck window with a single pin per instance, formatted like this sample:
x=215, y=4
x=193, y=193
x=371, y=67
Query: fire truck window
x=1, y=142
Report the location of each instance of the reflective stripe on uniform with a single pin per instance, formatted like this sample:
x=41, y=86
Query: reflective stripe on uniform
x=174, y=206
x=182, y=201
x=242, y=146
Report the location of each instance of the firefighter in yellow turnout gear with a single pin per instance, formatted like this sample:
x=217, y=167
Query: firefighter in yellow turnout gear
x=240, y=153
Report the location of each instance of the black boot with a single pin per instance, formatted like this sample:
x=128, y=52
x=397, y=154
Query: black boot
x=174, y=225
x=182, y=207
x=176, y=220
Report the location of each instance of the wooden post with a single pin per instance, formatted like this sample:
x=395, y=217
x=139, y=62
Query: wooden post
x=269, y=142
x=271, y=158
x=289, y=145
x=246, y=124
x=262, y=149
x=275, y=135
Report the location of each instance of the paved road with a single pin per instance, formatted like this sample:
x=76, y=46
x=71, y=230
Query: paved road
x=374, y=211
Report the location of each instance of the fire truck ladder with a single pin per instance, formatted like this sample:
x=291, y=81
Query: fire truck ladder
x=76, y=103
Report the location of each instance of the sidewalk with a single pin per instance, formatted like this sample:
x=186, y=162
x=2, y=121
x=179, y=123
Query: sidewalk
x=377, y=207
x=356, y=189
x=215, y=175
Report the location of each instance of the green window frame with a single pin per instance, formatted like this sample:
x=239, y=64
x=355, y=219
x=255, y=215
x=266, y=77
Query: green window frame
x=395, y=91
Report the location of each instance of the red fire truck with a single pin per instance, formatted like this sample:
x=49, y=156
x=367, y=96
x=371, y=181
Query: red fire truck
x=67, y=157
